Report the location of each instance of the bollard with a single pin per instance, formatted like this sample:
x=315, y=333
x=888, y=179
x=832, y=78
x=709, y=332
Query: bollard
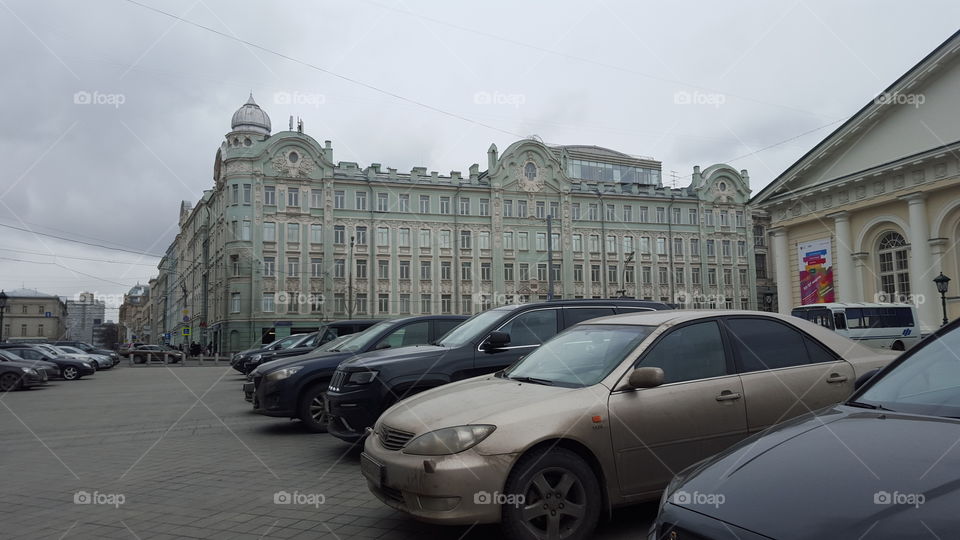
x=216, y=359
x=166, y=359
x=130, y=360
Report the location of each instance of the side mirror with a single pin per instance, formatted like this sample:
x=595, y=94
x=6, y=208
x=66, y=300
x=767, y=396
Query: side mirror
x=496, y=340
x=645, y=377
x=382, y=346
x=864, y=379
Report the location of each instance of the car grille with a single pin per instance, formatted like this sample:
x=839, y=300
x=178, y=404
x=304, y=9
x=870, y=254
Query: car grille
x=338, y=380
x=394, y=439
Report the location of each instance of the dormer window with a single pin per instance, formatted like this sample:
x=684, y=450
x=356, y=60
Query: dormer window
x=530, y=171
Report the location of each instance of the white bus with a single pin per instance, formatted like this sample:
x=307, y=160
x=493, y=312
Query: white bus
x=884, y=326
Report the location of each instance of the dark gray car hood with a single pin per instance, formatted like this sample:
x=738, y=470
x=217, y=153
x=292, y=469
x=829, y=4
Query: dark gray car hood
x=843, y=472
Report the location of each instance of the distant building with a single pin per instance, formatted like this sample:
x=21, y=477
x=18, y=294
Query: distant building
x=134, y=316
x=84, y=315
x=33, y=316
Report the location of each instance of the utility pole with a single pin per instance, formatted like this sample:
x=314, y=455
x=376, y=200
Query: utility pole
x=549, y=257
x=623, y=275
x=350, y=282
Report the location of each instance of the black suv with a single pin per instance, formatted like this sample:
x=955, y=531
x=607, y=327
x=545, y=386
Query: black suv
x=311, y=341
x=295, y=387
x=487, y=342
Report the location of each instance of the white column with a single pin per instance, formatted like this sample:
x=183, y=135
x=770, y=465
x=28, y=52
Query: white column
x=921, y=278
x=781, y=261
x=860, y=260
x=844, y=258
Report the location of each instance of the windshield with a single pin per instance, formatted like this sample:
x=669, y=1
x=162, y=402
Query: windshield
x=581, y=356
x=286, y=342
x=926, y=383
x=472, y=328
x=334, y=343
x=365, y=338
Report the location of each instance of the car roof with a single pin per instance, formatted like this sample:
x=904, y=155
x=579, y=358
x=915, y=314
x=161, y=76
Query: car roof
x=429, y=318
x=853, y=305
x=591, y=302
x=682, y=315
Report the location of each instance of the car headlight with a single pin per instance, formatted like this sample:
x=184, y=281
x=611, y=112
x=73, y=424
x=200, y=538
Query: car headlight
x=86, y=364
x=29, y=371
x=281, y=374
x=362, y=377
x=451, y=440
x=255, y=358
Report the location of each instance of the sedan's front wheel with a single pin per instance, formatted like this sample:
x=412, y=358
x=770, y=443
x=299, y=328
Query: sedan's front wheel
x=312, y=408
x=551, y=494
x=70, y=373
x=9, y=381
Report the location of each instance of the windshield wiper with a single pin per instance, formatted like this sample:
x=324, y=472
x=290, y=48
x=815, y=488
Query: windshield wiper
x=863, y=405
x=534, y=380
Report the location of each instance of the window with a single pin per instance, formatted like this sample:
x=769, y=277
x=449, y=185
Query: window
x=360, y=306
x=689, y=353
x=595, y=243
x=339, y=234
x=426, y=304
x=383, y=202
x=725, y=248
x=424, y=238
x=245, y=231
x=524, y=272
x=444, y=205
x=339, y=268
x=404, y=269
x=361, y=268
x=611, y=212
x=541, y=209
x=23, y=327
x=464, y=206
x=235, y=194
x=293, y=233
x=646, y=275
x=269, y=231
x=523, y=241
x=531, y=328
x=486, y=271
x=675, y=216
x=530, y=171
x=761, y=265
x=466, y=304
x=678, y=247
x=338, y=198
x=692, y=216
x=894, y=266
x=508, y=272
x=339, y=303
x=405, y=303
x=425, y=268
x=644, y=215
x=593, y=212
x=465, y=238
x=742, y=276
x=483, y=240
x=316, y=267
x=446, y=270
x=554, y=210
x=403, y=237
x=762, y=344
x=383, y=304
x=661, y=214
x=708, y=217
x=627, y=213
x=246, y=194
x=445, y=239
x=611, y=243
x=695, y=247
x=484, y=207
x=711, y=248
x=661, y=246
x=724, y=218
x=269, y=195
x=267, y=304
x=508, y=240
x=360, y=200
x=424, y=207
x=446, y=303
x=758, y=235
x=595, y=273
x=542, y=271
x=361, y=236
x=695, y=276
x=521, y=208
x=678, y=276
x=644, y=244
x=575, y=211
x=403, y=201
x=293, y=266
x=507, y=208
x=316, y=233
x=577, y=243
x=383, y=269
x=234, y=304
x=541, y=241
x=293, y=197
x=316, y=198
x=612, y=273
x=466, y=270
x=712, y=276
x=663, y=276
x=269, y=266
x=629, y=274
x=739, y=218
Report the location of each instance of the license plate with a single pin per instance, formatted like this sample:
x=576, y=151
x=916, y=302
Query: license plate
x=372, y=470
x=248, y=389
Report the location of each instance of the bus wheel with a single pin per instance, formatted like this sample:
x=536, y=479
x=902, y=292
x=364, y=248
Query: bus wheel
x=897, y=346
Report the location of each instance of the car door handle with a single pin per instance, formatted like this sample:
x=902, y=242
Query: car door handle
x=836, y=378
x=727, y=395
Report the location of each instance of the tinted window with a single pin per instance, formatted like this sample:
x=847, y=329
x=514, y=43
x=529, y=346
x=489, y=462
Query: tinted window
x=572, y=316
x=764, y=344
x=532, y=327
x=880, y=317
x=411, y=334
x=817, y=352
x=821, y=316
x=688, y=353
x=443, y=326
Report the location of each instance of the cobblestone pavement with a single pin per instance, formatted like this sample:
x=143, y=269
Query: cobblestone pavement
x=176, y=453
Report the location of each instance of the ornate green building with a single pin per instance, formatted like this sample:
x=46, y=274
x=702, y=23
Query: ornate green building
x=288, y=236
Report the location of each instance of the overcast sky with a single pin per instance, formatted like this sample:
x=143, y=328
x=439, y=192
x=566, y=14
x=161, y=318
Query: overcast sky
x=688, y=83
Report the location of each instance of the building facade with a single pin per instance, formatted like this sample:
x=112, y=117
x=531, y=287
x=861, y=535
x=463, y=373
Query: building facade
x=288, y=237
x=84, y=315
x=134, y=316
x=872, y=212
x=33, y=316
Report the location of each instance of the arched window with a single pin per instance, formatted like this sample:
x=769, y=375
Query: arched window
x=530, y=171
x=894, y=266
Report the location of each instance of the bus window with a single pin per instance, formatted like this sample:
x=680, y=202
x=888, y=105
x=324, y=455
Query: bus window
x=839, y=322
x=821, y=316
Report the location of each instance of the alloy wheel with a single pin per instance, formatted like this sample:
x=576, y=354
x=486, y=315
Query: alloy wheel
x=70, y=373
x=555, y=504
x=8, y=382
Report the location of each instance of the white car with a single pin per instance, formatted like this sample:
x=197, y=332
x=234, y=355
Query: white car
x=101, y=361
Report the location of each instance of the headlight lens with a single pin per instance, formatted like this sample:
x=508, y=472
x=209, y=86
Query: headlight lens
x=362, y=377
x=281, y=374
x=451, y=440
x=29, y=371
x=255, y=358
x=86, y=364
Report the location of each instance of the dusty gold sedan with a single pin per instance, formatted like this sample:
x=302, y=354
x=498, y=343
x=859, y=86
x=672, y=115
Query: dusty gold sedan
x=601, y=416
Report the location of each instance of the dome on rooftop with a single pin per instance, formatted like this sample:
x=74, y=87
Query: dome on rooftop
x=250, y=117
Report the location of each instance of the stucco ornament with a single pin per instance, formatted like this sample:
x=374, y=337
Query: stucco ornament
x=293, y=164
x=529, y=178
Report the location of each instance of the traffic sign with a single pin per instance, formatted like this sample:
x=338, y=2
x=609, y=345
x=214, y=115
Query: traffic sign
x=185, y=332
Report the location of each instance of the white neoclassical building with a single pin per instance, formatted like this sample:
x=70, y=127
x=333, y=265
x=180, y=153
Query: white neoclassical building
x=872, y=212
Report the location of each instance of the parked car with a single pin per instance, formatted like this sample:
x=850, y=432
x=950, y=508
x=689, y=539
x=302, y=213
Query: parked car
x=487, y=342
x=70, y=369
x=51, y=369
x=141, y=354
x=236, y=361
x=602, y=416
x=296, y=387
x=20, y=376
x=90, y=349
x=882, y=461
x=99, y=361
x=311, y=341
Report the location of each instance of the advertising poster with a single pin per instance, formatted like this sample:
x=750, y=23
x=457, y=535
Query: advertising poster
x=816, y=272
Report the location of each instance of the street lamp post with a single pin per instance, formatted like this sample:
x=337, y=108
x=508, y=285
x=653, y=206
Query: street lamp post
x=3, y=307
x=623, y=275
x=943, y=283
